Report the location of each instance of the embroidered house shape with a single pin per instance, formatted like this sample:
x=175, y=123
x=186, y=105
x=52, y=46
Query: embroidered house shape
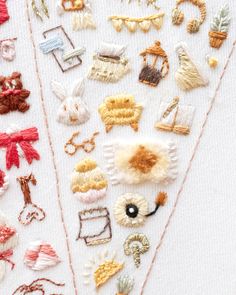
x=150, y=74
x=175, y=118
x=95, y=226
x=109, y=64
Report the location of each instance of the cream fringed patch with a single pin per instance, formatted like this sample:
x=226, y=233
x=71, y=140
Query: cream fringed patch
x=125, y=285
x=120, y=110
x=88, y=182
x=174, y=117
x=139, y=161
x=219, y=27
x=131, y=209
x=102, y=268
x=73, y=109
x=82, y=17
x=135, y=245
x=95, y=226
x=40, y=255
x=109, y=64
x=194, y=24
x=132, y=23
x=8, y=241
x=188, y=75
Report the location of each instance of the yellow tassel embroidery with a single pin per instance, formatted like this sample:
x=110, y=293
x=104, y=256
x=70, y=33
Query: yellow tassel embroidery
x=132, y=23
x=120, y=110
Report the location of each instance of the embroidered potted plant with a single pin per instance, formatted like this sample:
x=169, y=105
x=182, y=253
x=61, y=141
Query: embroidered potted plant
x=219, y=27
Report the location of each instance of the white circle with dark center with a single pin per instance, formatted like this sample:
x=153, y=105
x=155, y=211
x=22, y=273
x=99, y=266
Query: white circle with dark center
x=131, y=210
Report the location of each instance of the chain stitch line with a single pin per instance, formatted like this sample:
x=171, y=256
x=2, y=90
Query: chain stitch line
x=51, y=146
x=188, y=169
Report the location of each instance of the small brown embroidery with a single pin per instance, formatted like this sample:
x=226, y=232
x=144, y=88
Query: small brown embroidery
x=150, y=74
x=37, y=286
x=98, y=216
x=64, y=66
x=12, y=94
x=143, y=160
x=30, y=211
x=88, y=145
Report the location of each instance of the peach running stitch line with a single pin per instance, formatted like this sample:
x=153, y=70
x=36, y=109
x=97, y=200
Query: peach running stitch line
x=51, y=147
x=187, y=171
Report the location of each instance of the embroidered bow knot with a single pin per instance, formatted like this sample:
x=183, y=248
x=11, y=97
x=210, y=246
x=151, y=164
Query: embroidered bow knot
x=22, y=138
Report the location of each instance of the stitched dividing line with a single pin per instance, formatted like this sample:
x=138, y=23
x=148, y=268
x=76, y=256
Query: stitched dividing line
x=187, y=171
x=51, y=147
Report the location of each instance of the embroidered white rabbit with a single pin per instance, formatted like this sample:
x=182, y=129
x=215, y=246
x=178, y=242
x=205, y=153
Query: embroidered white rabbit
x=73, y=110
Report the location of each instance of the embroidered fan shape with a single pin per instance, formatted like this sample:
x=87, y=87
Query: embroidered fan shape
x=174, y=117
x=150, y=74
x=8, y=241
x=220, y=27
x=82, y=13
x=120, y=110
x=12, y=94
x=137, y=161
x=109, y=63
x=125, y=285
x=40, y=255
x=88, y=182
x=188, y=75
x=73, y=109
x=15, y=142
x=102, y=268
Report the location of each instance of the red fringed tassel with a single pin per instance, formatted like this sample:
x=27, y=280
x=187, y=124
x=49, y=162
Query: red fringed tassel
x=4, y=16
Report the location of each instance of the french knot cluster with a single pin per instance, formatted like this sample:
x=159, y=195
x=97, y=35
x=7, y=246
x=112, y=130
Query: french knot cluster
x=177, y=16
x=12, y=95
x=193, y=26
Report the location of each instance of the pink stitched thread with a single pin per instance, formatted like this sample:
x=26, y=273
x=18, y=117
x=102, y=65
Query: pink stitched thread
x=187, y=171
x=51, y=147
x=4, y=16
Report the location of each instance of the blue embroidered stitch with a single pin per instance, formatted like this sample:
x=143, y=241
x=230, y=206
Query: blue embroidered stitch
x=51, y=44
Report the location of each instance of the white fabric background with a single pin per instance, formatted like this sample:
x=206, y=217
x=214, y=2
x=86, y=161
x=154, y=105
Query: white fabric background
x=198, y=254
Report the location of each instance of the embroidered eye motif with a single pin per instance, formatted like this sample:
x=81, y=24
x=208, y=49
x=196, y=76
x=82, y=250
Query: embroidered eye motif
x=131, y=210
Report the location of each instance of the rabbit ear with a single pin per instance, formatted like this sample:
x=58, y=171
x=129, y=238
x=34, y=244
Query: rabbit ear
x=59, y=90
x=78, y=88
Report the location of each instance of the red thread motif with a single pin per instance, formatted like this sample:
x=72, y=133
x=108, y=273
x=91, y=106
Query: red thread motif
x=22, y=139
x=4, y=16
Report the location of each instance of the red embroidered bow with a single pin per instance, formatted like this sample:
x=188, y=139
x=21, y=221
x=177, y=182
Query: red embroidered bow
x=5, y=257
x=4, y=16
x=23, y=139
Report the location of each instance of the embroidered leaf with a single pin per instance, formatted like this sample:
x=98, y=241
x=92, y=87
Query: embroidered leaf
x=221, y=20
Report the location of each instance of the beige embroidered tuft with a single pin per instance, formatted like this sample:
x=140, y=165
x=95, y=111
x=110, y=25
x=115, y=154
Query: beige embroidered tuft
x=188, y=75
